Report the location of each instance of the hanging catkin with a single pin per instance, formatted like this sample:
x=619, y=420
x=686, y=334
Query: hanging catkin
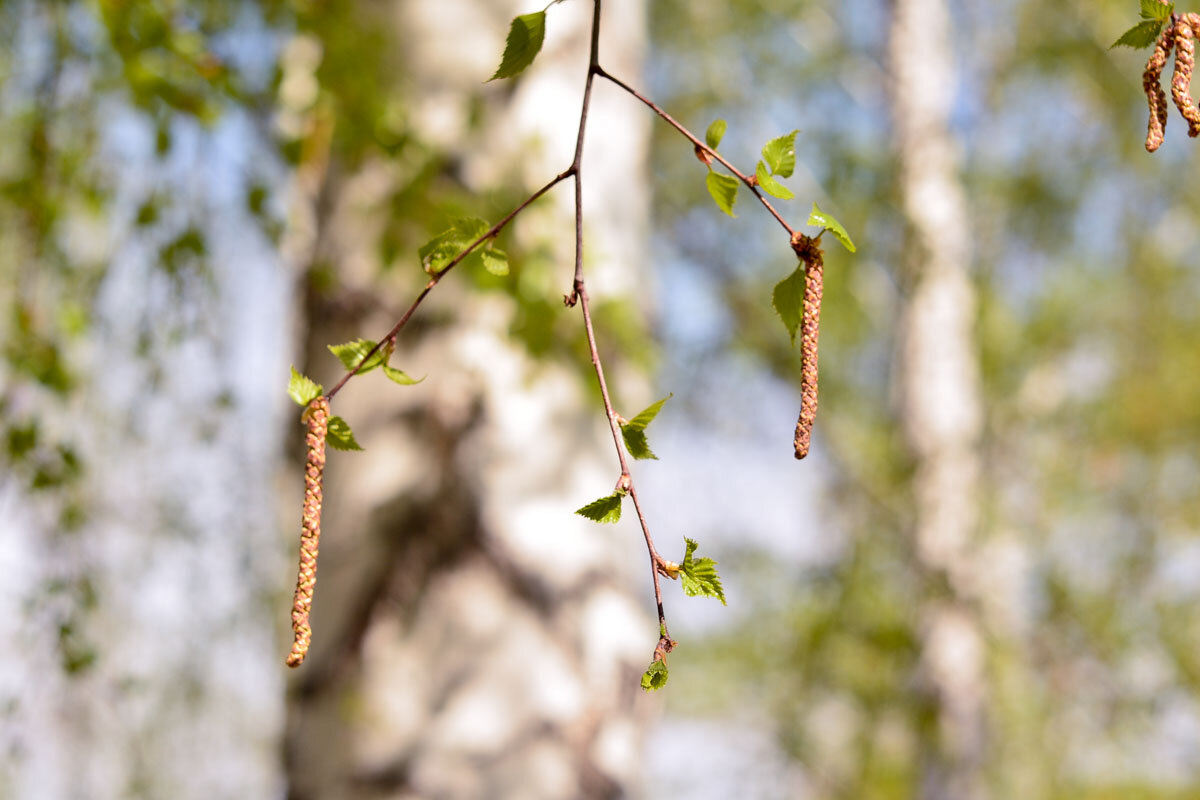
x=1181, y=80
x=317, y=418
x=809, y=251
x=1152, y=84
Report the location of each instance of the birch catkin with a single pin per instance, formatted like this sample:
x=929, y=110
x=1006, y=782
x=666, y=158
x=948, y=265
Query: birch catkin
x=809, y=251
x=1152, y=84
x=317, y=418
x=1181, y=80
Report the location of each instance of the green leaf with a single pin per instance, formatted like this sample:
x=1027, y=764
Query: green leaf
x=400, y=377
x=1139, y=36
x=340, y=437
x=302, y=389
x=655, y=676
x=524, y=42
x=723, y=189
x=606, y=509
x=699, y=576
x=438, y=252
x=819, y=219
x=644, y=417
x=780, y=154
x=351, y=353
x=788, y=300
x=715, y=133
x=636, y=444
x=495, y=261
x=770, y=185
x=1152, y=9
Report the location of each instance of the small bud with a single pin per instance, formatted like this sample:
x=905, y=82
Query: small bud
x=704, y=156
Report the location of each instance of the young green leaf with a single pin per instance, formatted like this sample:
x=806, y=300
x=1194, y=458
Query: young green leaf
x=655, y=676
x=770, y=185
x=495, y=261
x=606, y=509
x=819, y=219
x=1139, y=36
x=644, y=417
x=525, y=38
x=351, y=353
x=699, y=576
x=340, y=437
x=1152, y=9
x=788, y=300
x=636, y=444
x=780, y=154
x=723, y=189
x=302, y=389
x=400, y=377
x=439, y=251
x=715, y=133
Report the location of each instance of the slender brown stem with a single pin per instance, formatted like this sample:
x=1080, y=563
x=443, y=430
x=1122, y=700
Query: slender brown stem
x=691, y=137
x=490, y=234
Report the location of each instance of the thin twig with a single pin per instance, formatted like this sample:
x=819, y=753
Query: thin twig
x=490, y=234
x=701, y=146
x=579, y=295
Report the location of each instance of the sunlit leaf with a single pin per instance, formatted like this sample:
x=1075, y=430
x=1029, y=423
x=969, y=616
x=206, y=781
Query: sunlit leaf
x=438, y=252
x=525, y=38
x=715, y=133
x=1152, y=9
x=340, y=437
x=780, y=154
x=699, y=575
x=723, y=189
x=302, y=389
x=819, y=219
x=351, y=353
x=400, y=377
x=495, y=261
x=606, y=509
x=770, y=185
x=1139, y=36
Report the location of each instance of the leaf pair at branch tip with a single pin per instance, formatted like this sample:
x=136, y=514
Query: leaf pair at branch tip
x=525, y=37
x=655, y=676
x=633, y=431
x=819, y=219
x=1154, y=15
x=304, y=390
x=351, y=353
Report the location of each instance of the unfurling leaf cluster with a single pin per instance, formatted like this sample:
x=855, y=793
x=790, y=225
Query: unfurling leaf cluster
x=1154, y=15
x=655, y=676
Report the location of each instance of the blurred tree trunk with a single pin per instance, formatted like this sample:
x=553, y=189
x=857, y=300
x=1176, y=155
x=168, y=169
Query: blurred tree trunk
x=939, y=390
x=471, y=637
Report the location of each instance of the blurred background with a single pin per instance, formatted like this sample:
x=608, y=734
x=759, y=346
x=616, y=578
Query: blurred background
x=981, y=584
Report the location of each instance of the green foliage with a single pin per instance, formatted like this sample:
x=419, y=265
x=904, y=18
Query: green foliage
x=524, y=42
x=340, y=437
x=302, y=389
x=1152, y=9
x=788, y=301
x=715, y=133
x=655, y=676
x=495, y=261
x=699, y=576
x=633, y=431
x=1139, y=36
x=400, y=377
x=351, y=353
x=770, y=185
x=819, y=219
x=606, y=509
x=723, y=189
x=441, y=250
x=780, y=154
